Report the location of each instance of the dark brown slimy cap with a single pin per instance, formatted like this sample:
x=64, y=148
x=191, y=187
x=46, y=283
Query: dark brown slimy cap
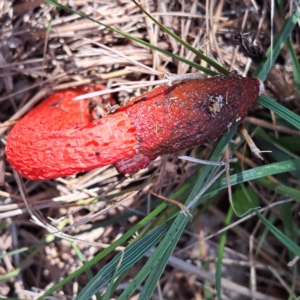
x=188, y=113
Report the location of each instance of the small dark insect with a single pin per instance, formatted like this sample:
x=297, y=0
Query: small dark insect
x=250, y=48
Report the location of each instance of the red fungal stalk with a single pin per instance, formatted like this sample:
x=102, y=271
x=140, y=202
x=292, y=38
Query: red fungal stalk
x=58, y=138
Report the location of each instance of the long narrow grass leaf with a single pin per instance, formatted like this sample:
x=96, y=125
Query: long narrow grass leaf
x=105, y=252
x=161, y=255
x=258, y=172
x=83, y=260
x=295, y=64
x=281, y=189
x=288, y=26
x=280, y=110
x=130, y=256
x=280, y=236
x=220, y=255
x=211, y=62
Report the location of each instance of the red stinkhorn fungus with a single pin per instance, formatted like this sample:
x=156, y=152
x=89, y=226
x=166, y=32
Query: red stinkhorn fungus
x=58, y=138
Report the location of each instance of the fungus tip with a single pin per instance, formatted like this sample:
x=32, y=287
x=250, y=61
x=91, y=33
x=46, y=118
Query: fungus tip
x=261, y=87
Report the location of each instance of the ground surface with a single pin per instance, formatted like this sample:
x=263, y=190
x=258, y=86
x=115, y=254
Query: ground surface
x=42, y=49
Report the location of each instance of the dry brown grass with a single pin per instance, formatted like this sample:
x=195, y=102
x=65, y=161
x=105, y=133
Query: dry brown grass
x=35, y=61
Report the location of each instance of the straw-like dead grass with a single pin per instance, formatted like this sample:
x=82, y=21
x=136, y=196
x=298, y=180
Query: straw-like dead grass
x=45, y=49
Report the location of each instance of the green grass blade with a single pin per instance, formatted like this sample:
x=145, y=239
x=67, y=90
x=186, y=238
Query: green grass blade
x=83, y=260
x=288, y=221
x=111, y=286
x=131, y=255
x=14, y=252
x=220, y=254
x=280, y=110
x=211, y=62
x=281, y=189
x=287, y=28
x=295, y=64
x=155, y=273
x=157, y=261
x=276, y=145
x=161, y=255
x=281, y=6
x=258, y=172
x=16, y=271
x=105, y=252
x=293, y=247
